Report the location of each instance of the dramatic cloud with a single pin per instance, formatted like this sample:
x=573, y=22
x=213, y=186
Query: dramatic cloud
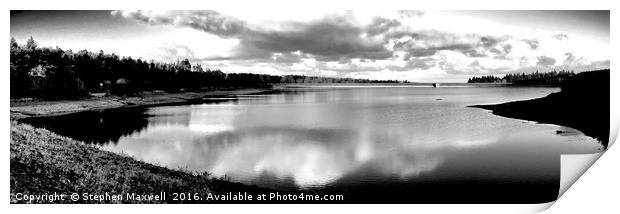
x=352, y=45
x=333, y=37
x=330, y=38
x=208, y=21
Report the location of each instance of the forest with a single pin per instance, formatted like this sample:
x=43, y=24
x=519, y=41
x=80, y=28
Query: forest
x=536, y=78
x=54, y=73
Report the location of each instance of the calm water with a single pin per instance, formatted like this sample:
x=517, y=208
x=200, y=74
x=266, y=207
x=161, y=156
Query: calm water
x=373, y=144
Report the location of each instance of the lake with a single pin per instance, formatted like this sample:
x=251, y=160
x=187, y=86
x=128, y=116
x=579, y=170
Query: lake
x=372, y=144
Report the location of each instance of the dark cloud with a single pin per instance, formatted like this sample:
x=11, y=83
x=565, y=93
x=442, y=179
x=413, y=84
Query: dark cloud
x=428, y=43
x=571, y=59
x=488, y=42
x=415, y=64
x=380, y=25
x=421, y=63
x=205, y=20
x=419, y=52
x=545, y=61
x=344, y=60
x=475, y=52
x=507, y=48
x=495, y=51
x=560, y=36
x=502, y=52
x=286, y=58
x=533, y=43
x=331, y=38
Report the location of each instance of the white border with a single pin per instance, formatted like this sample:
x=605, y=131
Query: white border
x=594, y=192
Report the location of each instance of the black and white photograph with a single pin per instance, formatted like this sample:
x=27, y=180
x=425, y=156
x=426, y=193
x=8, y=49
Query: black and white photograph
x=304, y=106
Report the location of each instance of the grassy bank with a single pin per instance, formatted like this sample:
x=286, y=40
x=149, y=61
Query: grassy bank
x=582, y=103
x=43, y=162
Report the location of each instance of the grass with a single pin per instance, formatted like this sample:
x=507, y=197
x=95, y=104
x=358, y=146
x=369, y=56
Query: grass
x=44, y=162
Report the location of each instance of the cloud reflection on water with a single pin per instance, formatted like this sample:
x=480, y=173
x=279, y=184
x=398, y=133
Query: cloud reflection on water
x=308, y=156
x=322, y=137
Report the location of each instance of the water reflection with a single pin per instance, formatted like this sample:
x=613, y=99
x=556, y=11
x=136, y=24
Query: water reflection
x=99, y=127
x=310, y=157
x=343, y=137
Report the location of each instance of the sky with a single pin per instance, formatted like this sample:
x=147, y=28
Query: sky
x=418, y=46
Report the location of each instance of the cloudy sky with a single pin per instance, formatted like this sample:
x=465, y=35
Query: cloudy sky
x=423, y=46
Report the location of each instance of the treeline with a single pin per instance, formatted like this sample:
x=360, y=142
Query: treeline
x=486, y=79
x=53, y=73
x=536, y=78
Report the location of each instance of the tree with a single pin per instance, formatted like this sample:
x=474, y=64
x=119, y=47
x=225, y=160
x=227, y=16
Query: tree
x=185, y=65
x=31, y=44
x=14, y=44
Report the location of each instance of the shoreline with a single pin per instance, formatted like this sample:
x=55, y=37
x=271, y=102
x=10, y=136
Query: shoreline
x=587, y=115
x=582, y=104
x=42, y=161
x=26, y=109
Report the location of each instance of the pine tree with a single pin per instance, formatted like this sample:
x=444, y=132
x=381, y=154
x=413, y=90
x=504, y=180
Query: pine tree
x=31, y=44
x=14, y=44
